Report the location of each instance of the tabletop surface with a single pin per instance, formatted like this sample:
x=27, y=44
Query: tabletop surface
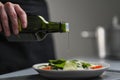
x=105, y=76
x=30, y=74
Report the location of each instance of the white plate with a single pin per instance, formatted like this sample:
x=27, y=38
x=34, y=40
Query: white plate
x=71, y=73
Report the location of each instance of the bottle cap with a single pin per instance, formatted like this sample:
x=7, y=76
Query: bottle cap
x=67, y=27
x=64, y=27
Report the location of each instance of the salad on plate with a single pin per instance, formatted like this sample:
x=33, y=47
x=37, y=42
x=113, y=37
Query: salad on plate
x=73, y=68
x=62, y=64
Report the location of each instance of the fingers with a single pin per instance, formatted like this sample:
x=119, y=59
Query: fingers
x=22, y=15
x=4, y=20
x=13, y=17
x=13, y=11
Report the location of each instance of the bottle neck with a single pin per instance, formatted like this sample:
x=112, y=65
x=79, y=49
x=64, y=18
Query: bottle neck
x=52, y=27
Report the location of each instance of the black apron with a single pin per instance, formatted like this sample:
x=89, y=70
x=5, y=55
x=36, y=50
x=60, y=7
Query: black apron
x=19, y=55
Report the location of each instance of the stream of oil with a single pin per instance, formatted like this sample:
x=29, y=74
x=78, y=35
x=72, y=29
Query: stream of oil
x=68, y=42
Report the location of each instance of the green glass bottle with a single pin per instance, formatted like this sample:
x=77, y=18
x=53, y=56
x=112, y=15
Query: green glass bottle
x=38, y=28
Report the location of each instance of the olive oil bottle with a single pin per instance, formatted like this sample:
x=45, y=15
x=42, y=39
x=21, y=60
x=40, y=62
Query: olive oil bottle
x=38, y=28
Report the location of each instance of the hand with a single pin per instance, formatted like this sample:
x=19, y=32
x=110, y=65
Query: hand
x=13, y=11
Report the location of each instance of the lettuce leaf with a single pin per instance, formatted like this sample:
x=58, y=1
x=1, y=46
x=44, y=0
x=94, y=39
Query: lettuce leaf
x=57, y=64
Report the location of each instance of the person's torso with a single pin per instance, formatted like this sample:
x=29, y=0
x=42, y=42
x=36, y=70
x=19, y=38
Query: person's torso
x=14, y=56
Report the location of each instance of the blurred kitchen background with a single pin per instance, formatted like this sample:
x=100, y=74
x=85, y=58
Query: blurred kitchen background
x=94, y=28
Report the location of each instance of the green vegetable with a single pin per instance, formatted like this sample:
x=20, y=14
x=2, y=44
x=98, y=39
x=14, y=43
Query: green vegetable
x=85, y=64
x=70, y=65
x=57, y=64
